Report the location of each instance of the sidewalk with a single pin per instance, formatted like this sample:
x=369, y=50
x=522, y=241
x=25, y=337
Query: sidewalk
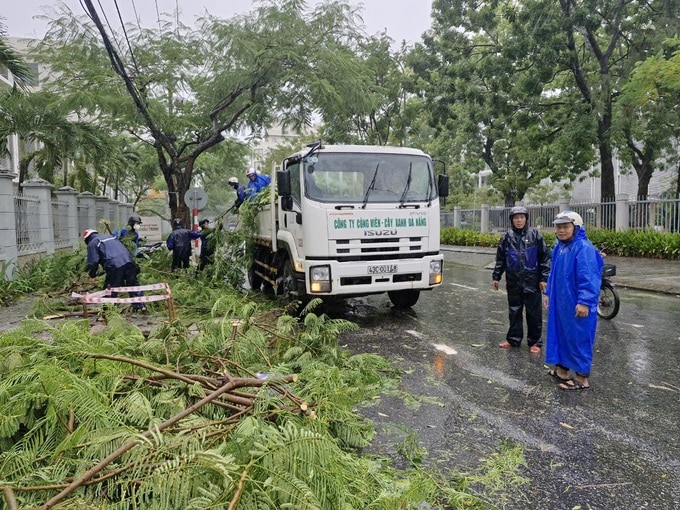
x=651, y=275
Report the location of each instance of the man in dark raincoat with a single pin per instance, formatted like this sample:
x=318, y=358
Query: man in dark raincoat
x=572, y=296
x=525, y=259
x=109, y=253
x=179, y=243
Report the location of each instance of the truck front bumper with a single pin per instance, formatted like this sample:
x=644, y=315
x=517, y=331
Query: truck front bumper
x=329, y=277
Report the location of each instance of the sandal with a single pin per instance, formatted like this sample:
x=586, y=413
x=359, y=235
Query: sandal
x=573, y=385
x=554, y=375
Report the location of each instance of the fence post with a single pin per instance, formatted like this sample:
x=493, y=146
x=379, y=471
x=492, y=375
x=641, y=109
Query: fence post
x=484, y=218
x=42, y=189
x=102, y=205
x=89, y=220
x=622, y=212
x=563, y=205
x=69, y=195
x=456, y=216
x=8, y=235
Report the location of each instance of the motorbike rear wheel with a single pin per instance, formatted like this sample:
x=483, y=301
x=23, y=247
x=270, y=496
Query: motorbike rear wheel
x=609, y=302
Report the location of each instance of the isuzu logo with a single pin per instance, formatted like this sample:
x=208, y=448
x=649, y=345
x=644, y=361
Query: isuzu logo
x=380, y=232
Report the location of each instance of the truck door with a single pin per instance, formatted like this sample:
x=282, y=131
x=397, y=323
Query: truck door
x=291, y=221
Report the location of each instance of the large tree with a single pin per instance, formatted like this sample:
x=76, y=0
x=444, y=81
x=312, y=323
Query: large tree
x=650, y=109
x=488, y=95
x=597, y=44
x=381, y=118
x=183, y=91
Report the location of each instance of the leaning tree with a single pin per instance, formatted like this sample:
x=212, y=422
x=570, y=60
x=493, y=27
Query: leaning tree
x=183, y=91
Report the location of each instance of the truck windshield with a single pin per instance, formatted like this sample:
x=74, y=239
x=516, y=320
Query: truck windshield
x=360, y=178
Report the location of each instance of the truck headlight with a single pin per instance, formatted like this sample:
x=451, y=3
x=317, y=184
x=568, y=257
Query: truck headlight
x=436, y=272
x=320, y=279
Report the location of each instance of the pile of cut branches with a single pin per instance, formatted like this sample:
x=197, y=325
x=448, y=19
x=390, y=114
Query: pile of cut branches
x=234, y=405
x=247, y=409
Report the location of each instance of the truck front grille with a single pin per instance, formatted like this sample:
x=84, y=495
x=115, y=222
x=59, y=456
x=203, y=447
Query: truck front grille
x=381, y=245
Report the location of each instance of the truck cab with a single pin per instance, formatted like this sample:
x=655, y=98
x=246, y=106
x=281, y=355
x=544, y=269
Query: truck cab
x=352, y=220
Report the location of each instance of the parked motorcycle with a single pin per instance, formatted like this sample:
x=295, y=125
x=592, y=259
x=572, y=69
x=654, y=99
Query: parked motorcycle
x=609, y=303
x=143, y=252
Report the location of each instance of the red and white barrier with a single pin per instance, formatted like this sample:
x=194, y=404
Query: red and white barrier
x=104, y=296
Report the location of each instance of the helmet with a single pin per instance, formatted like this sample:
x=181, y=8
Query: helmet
x=233, y=180
x=177, y=222
x=568, y=217
x=134, y=219
x=88, y=233
x=250, y=171
x=518, y=209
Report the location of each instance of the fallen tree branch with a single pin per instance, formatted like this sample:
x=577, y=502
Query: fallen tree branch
x=229, y=385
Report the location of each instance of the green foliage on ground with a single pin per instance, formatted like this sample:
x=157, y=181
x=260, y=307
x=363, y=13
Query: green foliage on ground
x=45, y=274
x=630, y=243
x=73, y=395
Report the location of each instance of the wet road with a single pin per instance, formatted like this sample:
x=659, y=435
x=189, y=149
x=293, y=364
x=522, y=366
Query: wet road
x=615, y=446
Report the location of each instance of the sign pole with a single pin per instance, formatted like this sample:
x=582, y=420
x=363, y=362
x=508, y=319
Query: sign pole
x=195, y=212
x=195, y=199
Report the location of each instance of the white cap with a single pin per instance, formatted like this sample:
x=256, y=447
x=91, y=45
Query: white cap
x=233, y=180
x=250, y=171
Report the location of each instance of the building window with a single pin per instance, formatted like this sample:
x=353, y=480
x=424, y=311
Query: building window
x=34, y=81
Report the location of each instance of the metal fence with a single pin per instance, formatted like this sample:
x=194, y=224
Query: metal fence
x=27, y=223
x=661, y=215
x=60, y=224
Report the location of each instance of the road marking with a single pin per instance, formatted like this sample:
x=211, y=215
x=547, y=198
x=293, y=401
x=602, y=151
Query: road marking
x=445, y=349
x=463, y=286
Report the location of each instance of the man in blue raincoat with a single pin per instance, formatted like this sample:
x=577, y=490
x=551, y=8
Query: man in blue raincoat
x=572, y=295
x=256, y=182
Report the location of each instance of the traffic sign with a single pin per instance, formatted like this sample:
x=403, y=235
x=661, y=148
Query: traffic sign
x=196, y=198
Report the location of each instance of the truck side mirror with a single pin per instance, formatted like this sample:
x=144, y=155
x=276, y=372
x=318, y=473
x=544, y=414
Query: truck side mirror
x=283, y=183
x=443, y=185
x=284, y=189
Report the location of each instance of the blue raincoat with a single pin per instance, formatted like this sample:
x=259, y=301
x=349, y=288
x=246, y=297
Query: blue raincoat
x=254, y=187
x=575, y=278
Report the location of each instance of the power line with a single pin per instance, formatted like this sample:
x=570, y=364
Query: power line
x=113, y=33
x=127, y=40
x=158, y=18
x=119, y=68
x=139, y=21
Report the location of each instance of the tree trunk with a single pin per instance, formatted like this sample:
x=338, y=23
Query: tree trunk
x=607, y=188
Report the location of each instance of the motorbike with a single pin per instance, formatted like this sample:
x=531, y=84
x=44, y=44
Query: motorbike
x=609, y=302
x=144, y=252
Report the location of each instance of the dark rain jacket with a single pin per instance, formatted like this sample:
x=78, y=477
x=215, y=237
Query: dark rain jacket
x=179, y=241
x=524, y=258
x=575, y=279
x=108, y=252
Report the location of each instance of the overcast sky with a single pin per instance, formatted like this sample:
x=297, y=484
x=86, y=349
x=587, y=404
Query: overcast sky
x=402, y=19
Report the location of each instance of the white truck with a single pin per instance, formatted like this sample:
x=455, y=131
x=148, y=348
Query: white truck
x=351, y=220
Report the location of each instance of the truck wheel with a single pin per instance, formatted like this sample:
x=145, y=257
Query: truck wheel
x=254, y=280
x=402, y=299
x=288, y=287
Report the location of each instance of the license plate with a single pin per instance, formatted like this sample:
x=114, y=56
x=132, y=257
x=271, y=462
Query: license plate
x=383, y=269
